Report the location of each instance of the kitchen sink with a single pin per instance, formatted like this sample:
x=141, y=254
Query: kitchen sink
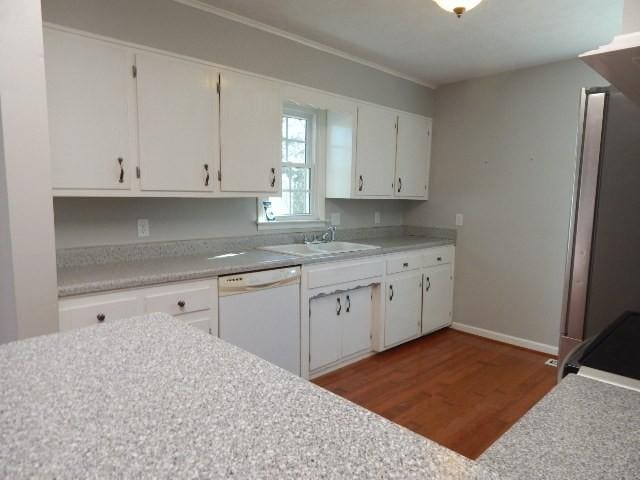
x=315, y=249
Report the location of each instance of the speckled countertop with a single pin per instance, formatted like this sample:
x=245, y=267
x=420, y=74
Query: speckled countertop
x=113, y=276
x=151, y=397
x=583, y=429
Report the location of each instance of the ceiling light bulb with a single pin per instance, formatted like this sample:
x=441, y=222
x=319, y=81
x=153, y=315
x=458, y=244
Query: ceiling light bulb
x=457, y=6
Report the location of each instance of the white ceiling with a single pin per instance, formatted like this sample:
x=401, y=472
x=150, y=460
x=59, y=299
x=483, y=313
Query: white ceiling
x=420, y=41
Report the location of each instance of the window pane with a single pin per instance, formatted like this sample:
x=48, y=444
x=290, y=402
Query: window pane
x=284, y=127
x=281, y=205
x=286, y=178
x=297, y=129
x=284, y=150
x=296, y=152
x=300, y=203
x=299, y=178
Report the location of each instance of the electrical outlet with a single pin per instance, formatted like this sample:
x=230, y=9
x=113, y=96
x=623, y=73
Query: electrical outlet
x=376, y=218
x=335, y=219
x=143, y=227
x=459, y=219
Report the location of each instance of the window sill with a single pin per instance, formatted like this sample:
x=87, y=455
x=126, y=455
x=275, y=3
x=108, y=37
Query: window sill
x=292, y=225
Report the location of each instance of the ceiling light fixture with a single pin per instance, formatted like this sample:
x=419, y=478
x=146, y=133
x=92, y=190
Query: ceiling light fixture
x=457, y=6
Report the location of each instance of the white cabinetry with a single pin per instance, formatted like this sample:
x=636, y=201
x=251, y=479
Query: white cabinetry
x=90, y=113
x=437, y=297
x=250, y=123
x=177, y=124
x=390, y=159
x=413, y=157
x=403, y=307
x=196, y=303
x=339, y=326
x=375, y=152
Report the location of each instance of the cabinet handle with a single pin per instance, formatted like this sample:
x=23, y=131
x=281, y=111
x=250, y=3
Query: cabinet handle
x=206, y=179
x=121, y=162
x=399, y=184
x=390, y=292
x=348, y=304
x=439, y=259
x=273, y=177
x=361, y=185
x=338, y=306
x=428, y=284
x=181, y=303
x=101, y=317
x=405, y=265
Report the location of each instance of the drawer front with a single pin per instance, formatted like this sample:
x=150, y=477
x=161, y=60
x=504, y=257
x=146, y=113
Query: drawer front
x=342, y=273
x=437, y=256
x=94, y=312
x=404, y=263
x=183, y=300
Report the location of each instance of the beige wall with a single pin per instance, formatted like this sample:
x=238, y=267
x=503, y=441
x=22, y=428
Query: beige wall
x=28, y=299
x=503, y=155
x=631, y=16
x=105, y=221
x=175, y=27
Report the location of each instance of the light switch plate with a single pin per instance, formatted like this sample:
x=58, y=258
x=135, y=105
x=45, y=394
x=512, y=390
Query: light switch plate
x=335, y=219
x=143, y=227
x=459, y=219
x=376, y=218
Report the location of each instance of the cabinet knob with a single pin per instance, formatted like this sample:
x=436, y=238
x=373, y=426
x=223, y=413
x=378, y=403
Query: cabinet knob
x=273, y=177
x=439, y=259
x=181, y=303
x=405, y=265
x=121, y=177
x=207, y=177
x=101, y=317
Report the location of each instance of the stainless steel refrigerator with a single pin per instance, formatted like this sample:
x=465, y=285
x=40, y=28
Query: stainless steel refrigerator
x=602, y=278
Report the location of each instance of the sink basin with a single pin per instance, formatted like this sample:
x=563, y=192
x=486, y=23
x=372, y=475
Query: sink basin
x=314, y=249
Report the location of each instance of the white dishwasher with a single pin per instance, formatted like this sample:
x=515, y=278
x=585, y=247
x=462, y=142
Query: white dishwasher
x=260, y=312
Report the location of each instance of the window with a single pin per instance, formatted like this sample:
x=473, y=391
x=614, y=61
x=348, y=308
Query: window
x=297, y=167
x=301, y=182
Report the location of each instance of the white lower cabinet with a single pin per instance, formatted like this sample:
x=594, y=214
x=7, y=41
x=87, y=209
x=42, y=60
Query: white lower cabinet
x=437, y=297
x=196, y=303
x=339, y=326
x=402, y=307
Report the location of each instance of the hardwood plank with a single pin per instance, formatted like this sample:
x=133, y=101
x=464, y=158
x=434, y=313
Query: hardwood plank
x=454, y=388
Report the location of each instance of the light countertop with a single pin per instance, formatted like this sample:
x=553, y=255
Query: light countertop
x=583, y=429
x=151, y=397
x=118, y=275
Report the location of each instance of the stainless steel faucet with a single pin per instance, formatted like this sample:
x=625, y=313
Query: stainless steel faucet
x=328, y=236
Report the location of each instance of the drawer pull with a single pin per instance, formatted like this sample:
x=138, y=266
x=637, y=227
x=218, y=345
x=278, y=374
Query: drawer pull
x=181, y=303
x=405, y=265
x=101, y=317
x=439, y=259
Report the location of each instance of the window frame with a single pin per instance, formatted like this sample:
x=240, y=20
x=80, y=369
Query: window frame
x=314, y=161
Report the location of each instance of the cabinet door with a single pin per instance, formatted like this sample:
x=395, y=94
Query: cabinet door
x=89, y=104
x=325, y=330
x=375, y=152
x=250, y=125
x=403, y=308
x=413, y=158
x=437, y=297
x=356, y=321
x=177, y=123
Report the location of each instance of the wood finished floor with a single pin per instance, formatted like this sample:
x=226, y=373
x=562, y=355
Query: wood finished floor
x=459, y=390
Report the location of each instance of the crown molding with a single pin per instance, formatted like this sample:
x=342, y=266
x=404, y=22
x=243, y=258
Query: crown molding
x=299, y=39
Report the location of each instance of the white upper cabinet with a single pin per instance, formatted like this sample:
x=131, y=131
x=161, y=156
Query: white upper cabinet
x=375, y=152
x=250, y=126
x=178, y=124
x=90, y=103
x=413, y=156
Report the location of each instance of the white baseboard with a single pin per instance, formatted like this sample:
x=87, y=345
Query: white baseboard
x=501, y=337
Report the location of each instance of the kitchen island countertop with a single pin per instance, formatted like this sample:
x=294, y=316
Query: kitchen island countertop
x=151, y=397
